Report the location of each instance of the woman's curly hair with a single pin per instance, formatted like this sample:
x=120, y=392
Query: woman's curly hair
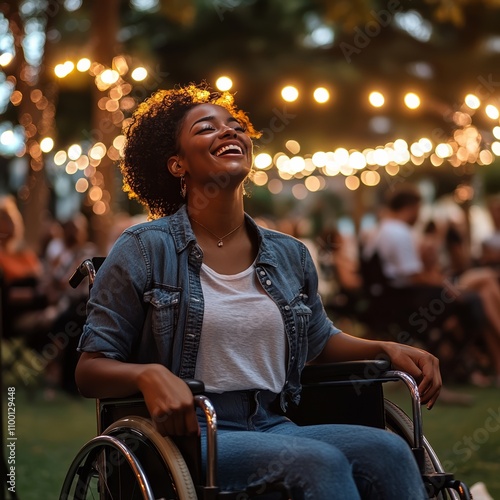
x=152, y=137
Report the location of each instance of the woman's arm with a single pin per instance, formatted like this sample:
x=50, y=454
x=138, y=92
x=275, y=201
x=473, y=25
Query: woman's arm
x=167, y=397
x=423, y=366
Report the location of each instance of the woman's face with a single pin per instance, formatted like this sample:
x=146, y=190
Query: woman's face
x=213, y=146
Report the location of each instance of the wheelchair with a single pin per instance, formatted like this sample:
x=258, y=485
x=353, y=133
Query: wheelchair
x=129, y=459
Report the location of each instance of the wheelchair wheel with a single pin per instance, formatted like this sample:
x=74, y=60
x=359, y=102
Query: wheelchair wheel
x=399, y=422
x=130, y=460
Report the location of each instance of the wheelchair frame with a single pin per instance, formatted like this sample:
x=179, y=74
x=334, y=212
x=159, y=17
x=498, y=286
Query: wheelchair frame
x=122, y=423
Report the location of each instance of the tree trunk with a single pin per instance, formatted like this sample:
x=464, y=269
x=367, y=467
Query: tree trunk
x=105, y=24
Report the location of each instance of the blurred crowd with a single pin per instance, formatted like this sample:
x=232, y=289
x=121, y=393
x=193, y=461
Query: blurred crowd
x=40, y=312
x=415, y=276
x=411, y=278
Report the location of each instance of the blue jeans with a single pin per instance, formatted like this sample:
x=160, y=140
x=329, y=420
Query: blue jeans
x=258, y=446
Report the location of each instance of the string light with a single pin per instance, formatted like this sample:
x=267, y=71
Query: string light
x=376, y=99
x=224, y=83
x=412, y=100
x=321, y=95
x=64, y=69
x=358, y=167
x=492, y=112
x=7, y=137
x=263, y=161
x=6, y=58
x=289, y=93
x=139, y=74
x=83, y=64
x=74, y=151
x=472, y=101
x=46, y=144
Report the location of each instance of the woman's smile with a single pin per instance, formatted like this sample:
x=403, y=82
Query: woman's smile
x=231, y=149
x=211, y=128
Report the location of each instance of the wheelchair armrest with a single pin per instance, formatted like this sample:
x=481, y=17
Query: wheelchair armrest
x=345, y=370
x=111, y=409
x=196, y=386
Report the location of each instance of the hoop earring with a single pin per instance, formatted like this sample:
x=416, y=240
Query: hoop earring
x=183, y=187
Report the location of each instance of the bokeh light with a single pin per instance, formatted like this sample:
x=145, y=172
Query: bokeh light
x=74, y=151
x=263, y=161
x=6, y=58
x=47, y=144
x=109, y=76
x=376, y=99
x=492, y=112
x=352, y=182
x=83, y=64
x=412, y=100
x=321, y=95
x=139, y=74
x=472, y=101
x=293, y=146
x=224, y=83
x=289, y=93
x=64, y=69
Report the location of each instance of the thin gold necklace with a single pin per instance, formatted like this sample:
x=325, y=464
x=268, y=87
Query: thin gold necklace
x=219, y=238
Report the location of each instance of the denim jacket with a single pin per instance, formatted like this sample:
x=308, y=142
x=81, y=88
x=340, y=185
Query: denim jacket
x=147, y=305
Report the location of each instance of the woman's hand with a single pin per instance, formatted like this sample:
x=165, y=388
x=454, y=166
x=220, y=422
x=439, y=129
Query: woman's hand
x=169, y=400
x=421, y=365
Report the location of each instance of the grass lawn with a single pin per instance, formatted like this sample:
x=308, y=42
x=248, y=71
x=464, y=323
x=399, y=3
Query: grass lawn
x=467, y=439
x=49, y=434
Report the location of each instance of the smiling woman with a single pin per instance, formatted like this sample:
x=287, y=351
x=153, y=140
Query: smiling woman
x=208, y=294
x=152, y=138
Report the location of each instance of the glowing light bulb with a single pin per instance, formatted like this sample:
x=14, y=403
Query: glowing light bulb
x=289, y=93
x=321, y=95
x=492, y=112
x=263, y=161
x=109, y=76
x=46, y=144
x=74, y=152
x=376, y=99
x=6, y=58
x=472, y=101
x=83, y=64
x=224, y=83
x=412, y=100
x=139, y=74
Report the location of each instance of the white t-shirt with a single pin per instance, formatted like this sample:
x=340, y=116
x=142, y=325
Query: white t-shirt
x=398, y=250
x=243, y=342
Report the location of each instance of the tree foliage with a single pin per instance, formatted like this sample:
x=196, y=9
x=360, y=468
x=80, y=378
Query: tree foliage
x=444, y=49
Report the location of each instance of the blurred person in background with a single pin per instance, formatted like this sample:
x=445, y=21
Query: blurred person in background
x=340, y=283
x=490, y=246
x=483, y=279
x=414, y=287
x=21, y=272
x=18, y=262
x=69, y=305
